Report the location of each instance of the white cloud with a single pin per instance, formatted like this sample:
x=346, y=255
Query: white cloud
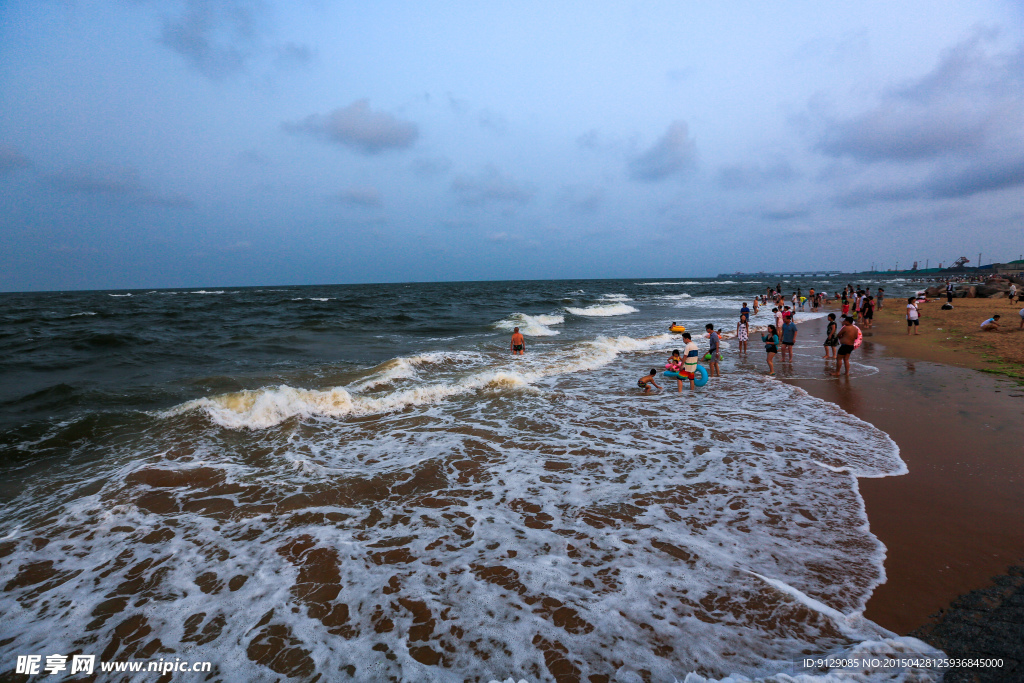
x=359, y=127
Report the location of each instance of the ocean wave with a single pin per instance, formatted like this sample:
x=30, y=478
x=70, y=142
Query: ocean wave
x=531, y=325
x=615, y=297
x=405, y=367
x=203, y=291
x=269, y=406
x=603, y=310
x=120, y=295
x=682, y=282
x=75, y=315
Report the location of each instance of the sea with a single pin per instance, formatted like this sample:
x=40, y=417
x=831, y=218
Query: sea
x=360, y=482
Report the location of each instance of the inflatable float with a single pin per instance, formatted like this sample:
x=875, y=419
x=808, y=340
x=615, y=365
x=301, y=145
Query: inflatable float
x=676, y=328
x=860, y=338
x=700, y=375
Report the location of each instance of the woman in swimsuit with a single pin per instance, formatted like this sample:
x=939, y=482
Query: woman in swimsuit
x=771, y=346
x=831, y=339
x=742, y=333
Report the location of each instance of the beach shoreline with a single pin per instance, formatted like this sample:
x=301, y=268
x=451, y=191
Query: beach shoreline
x=954, y=520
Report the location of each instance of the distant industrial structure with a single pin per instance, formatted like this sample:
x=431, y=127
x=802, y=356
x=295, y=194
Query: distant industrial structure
x=959, y=267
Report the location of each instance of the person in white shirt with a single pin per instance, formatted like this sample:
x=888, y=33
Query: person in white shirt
x=991, y=325
x=913, y=315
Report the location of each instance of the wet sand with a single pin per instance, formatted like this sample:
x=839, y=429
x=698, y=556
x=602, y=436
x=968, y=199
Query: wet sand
x=955, y=520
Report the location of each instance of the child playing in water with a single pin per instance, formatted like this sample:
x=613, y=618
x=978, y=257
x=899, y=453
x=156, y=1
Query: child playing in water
x=646, y=381
x=743, y=333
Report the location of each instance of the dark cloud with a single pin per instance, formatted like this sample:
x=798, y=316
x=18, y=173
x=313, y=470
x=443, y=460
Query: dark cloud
x=295, y=55
x=994, y=174
x=969, y=104
x=117, y=182
x=431, y=167
x=786, y=214
x=754, y=176
x=367, y=197
x=946, y=183
x=11, y=159
x=589, y=140
x=860, y=196
x=221, y=38
x=359, y=127
x=109, y=180
x=673, y=153
x=906, y=132
x=490, y=186
x=492, y=121
x=215, y=36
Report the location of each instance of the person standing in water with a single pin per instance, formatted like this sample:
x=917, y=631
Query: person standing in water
x=847, y=338
x=518, y=343
x=789, y=331
x=743, y=333
x=715, y=343
x=771, y=346
x=690, y=356
x=831, y=338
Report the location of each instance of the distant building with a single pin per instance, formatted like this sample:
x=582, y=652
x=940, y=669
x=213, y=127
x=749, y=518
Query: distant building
x=1015, y=268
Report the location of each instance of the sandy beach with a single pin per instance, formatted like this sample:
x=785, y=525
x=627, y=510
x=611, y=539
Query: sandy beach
x=954, y=521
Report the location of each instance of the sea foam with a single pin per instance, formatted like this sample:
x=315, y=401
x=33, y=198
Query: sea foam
x=603, y=310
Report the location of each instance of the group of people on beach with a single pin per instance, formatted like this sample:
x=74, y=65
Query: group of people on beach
x=842, y=335
x=780, y=336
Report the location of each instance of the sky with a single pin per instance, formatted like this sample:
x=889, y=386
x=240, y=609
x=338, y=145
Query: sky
x=184, y=143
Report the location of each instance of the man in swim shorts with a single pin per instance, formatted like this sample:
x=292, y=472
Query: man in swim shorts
x=646, y=381
x=518, y=343
x=690, y=354
x=847, y=338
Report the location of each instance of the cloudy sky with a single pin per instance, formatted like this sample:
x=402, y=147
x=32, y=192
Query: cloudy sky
x=170, y=143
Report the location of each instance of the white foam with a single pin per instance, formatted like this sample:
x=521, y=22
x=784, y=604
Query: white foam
x=203, y=291
x=678, y=282
x=74, y=315
x=617, y=524
x=615, y=297
x=531, y=325
x=603, y=310
x=119, y=295
x=405, y=367
x=270, y=406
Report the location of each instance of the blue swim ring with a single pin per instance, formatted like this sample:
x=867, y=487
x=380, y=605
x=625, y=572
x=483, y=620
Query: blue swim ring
x=700, y=377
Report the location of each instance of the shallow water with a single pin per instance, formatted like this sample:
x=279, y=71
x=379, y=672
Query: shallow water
x=360, y=481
